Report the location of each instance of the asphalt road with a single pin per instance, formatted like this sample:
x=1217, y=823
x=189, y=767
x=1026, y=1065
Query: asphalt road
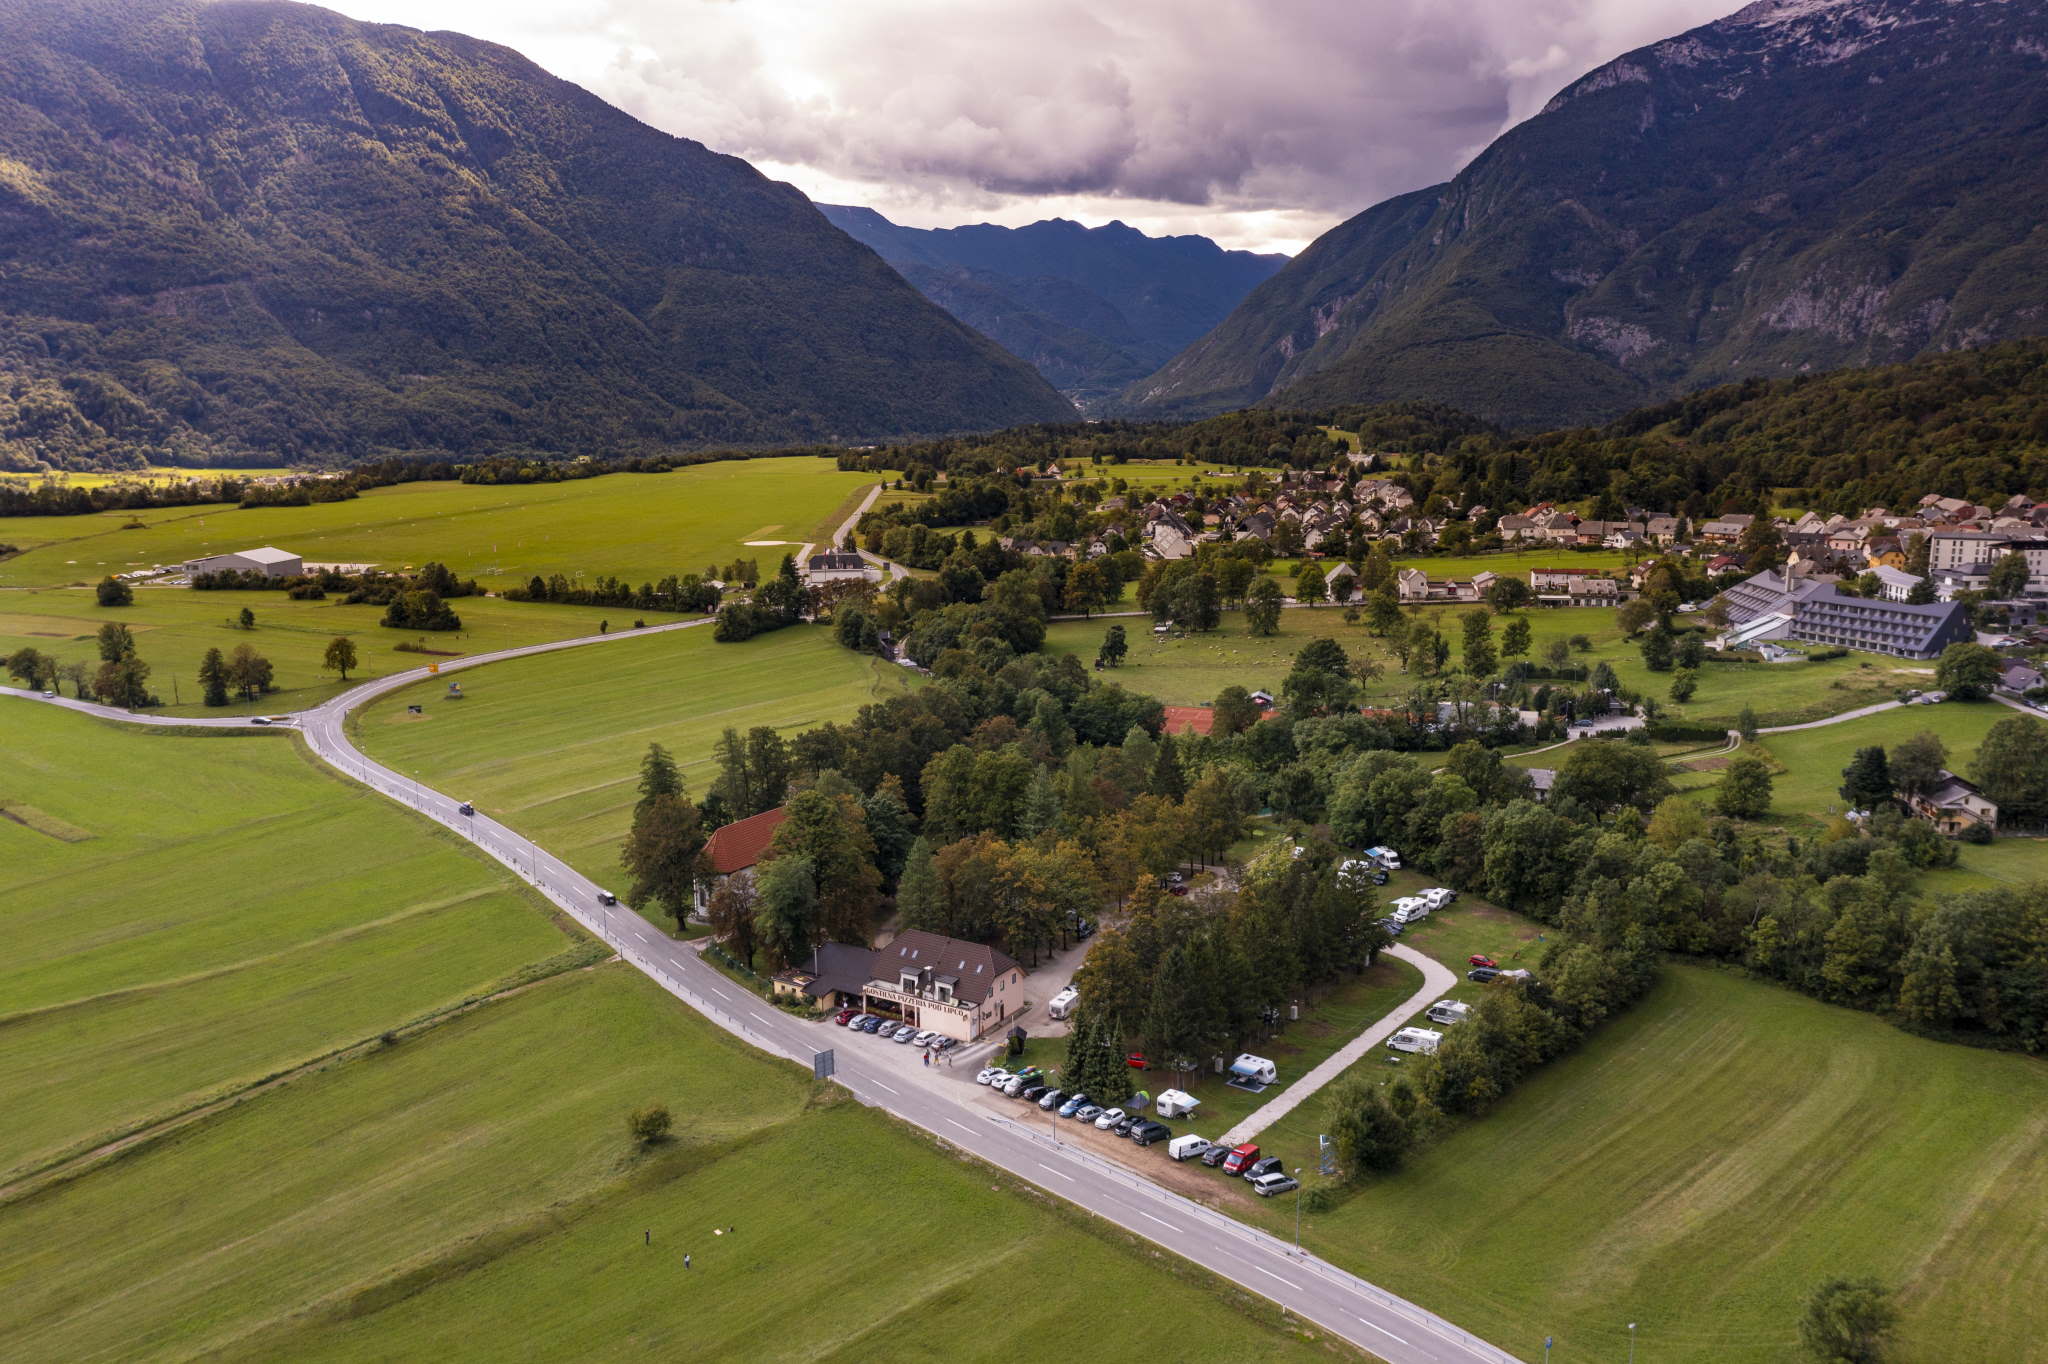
x=1342, y=1303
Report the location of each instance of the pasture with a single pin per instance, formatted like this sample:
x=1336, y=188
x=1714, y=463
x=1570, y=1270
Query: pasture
x=219, y=911
x=174, y=627
x=640, y=527
x=1698, y=1167
x=552, y=745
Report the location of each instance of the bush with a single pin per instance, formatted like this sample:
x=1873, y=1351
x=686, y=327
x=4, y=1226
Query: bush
x=650, y=1125
x=1670, y=731
x=1977, y=833
x=1318, y=1198
x=113, y=592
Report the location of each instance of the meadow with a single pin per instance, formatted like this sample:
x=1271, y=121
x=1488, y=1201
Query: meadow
x=640, y=527
x=552, y=744
x=1698, y=1167
x=461, y=1183
x=174, y=627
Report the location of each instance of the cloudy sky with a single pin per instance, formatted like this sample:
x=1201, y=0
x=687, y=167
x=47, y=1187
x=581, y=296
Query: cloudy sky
x=1257, y=122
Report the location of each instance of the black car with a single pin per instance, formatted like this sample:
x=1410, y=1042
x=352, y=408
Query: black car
x=1379, y=878
x=1215, y=1155
x=1052, y=1098
x=1031, y=1094
x=1122, y=1126
x=1145, y=1133
x=1393, y=927
x=1482, y=974
x=1269, y=1166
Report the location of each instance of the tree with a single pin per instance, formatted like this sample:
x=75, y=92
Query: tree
x=77, y=674
x=1918, y=763
x=1657, y=650
x=1921, y=593
x=1745, y=790
x=1383, y=615
x=1478, y=655
x=830, y=833
x=1308, y=583
x=919, y=897
x=1378, y=569
x=1557, y=653
x=1507, y=594
x=1849, y=1321
x=1262, y=607
x=31, y=667
x=1867, y=780
x=111, y=591
x=1428, y=651
x=1633, y=614
x=249, y=673
x=1515, y=638
x=1114, y=647
x=786, y=910
x=341, y=656
x=2011, y=768
x=1745, y=724
x=659, y=776
x=124, y=682
x=730, y=912
x=246, y=620
x=1320, y=681
x=1692, y=649
x=661, y=853
x=213, y=678
x=1966, y=671
x=1684, y=683
x=1087, y=587
x=115, y=642
x=2008, y=578
x=1607, y=776
x=1234, y=712
x=650, y=1125
x=1370, y=1133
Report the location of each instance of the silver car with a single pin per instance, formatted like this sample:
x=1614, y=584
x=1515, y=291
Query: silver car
x=905, y=1033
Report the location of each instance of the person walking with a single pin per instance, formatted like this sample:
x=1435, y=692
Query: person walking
x=686, y=1259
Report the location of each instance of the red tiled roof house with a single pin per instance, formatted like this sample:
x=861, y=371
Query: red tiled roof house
x=734, y=850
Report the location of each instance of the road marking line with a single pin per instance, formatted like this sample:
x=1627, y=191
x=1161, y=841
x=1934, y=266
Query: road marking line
x=1381, y=1329
x=1271, y=1275
x=1049, y=1170
x=1160, y=1220
x=962, y=1126
x=879, y=1085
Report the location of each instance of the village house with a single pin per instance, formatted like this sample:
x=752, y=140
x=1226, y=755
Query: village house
x=1954, y=806
x=733, y=851
x=955, y=988
x=836, y=566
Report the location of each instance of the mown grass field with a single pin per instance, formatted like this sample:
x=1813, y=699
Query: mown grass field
x=640, y=527
x=466, y=1191
x=218, y=909
x=1191, y=670
x=174, y=627
x=1699, y=1166
x=155, y=474
x=552, y=745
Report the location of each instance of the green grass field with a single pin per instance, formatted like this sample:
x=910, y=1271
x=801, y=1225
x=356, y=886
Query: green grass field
x=640, y=527
x=1699, y=1166
x=552, y=745
x=466, y=1191
x=174, y=627
x=230, y=911
x=155, y=474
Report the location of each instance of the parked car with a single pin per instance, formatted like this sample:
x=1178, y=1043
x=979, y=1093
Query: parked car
x=1051, y=1099
x=1481, y=959
x=947, y=1043
x=1270, y=1165
x=1177, y=890
x=1088, y=1113
x=1084, y=928
x=1482, y=974
x=1126, y=1123
x=1145, y=1133
x=1108, y=1118
x=1073, y=1104
x=1265, y=1186
x=1013, y=1086
x=1174, y=878
x=991, y=1075
x=1033, y=1092
x=1135, y=1060
x=1379, y=878
x=1394, y=927
x=1215, y=1156
x=1240, y=1159
x=1187, y=1148
x=905, y=1033
x=843, y=1017
x=924, y=1039
x=874, y=1023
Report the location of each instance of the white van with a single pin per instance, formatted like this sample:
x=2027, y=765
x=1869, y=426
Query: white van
x=1187, y=1148
x=1410, y=909
x=1416, y=1039
x=1449, y=1011
x=1063, y=1003
x=1437, y=897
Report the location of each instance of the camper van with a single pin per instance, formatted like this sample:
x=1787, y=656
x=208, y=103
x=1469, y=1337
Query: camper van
x=1385, y=856
x=1063, y=1003
x=1449, y=1011
x=1416, y=1039
x=1437, y=897
x=1255, y=1068
x=1410, y=909
x=1187, y=1148
x=1175, y=1103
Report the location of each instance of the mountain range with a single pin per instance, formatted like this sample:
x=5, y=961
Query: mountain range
x=252, y=232
x=1804, y=185
x=1092, y=308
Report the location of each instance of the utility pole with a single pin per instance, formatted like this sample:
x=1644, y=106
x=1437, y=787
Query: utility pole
x=1297, y=1210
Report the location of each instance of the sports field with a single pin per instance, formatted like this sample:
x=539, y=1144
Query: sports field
x=1699, y=1166
x=552, y=745
x=1192, y=669
x=640, y=527
x=174, y=627
x=465, y=1189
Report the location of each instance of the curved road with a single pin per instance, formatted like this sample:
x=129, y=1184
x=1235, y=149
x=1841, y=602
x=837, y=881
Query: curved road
x=1340, y=1302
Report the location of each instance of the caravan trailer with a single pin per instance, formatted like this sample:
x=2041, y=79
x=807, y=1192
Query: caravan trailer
x=1256, y=1068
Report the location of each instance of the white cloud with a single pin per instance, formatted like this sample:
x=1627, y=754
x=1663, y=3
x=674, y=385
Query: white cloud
x=1258, y=122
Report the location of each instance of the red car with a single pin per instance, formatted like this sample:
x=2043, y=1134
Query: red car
x=1135, y=1060
x=1479, y=959
x=842, y=1016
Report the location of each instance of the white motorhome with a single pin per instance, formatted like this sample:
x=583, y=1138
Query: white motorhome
x=1175, y=1103
x=1385, y=856
x=1410, y=909
x=1416, y=1039
x=1063, y=1003
x=1449, y=1011
x=1250, y=1067
x=1187, y=1148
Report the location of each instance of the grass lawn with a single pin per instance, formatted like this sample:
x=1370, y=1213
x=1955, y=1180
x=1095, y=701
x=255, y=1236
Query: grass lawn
x=174, y=627
x=638, y=526
x=552, y=745
x=1701, y=1164
x=233, y=911
x=66, y=478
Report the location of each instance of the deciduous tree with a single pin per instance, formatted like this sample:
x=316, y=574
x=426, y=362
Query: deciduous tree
x=341, y=656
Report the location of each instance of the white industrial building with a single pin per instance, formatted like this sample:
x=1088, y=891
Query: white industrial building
x=270, y=562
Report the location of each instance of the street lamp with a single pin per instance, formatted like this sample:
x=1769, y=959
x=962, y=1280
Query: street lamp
x=1631, y=1343
x=1297, y=1210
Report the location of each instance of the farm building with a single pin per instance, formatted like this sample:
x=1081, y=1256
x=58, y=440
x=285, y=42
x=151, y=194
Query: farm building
x=733, y=849
x=270, y=562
